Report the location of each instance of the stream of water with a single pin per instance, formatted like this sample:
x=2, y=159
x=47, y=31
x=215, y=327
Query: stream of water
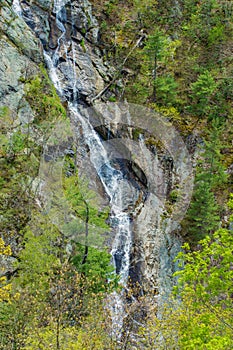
x=111, y=178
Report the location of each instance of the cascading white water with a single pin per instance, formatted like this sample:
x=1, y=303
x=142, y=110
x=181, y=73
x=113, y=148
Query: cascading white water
x=17, y=7
x=112, y=179
x=69, y=34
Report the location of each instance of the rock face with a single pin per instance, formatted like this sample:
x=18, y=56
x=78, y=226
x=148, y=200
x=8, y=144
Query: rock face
x=18, y=33
x=156, y=245
x=68, y=32
x=71, y=25
x=163, y=172
x=20, y=53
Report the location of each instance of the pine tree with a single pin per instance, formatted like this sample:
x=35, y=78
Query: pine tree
x=213, y=157
x=203, y=212
x=202, y=91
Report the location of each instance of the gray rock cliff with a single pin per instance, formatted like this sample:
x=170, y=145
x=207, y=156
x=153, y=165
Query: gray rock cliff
x=68, y=32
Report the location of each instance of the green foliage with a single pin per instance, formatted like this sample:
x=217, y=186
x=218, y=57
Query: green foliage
x=97, y=269
x=46, y=104
x=207, y=274
x=213, y=159
x=205, y=287
x=5, y=288
x=174, y=195
x=81, y=197
x=165, y=90
x=202, y=215
x=39, y=257
x=94, y=264
x=230, y=205
x=156, y=45
x=30, y=285
x=92, y=335
x=88, y=225
x=230, y=202
x=51, y=299
x=17, y=162
x=199, y=313
x=155, y=81
x=206, y=281
x=202, y=91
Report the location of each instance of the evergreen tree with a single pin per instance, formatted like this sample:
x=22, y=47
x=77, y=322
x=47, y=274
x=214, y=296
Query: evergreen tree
x=212, y=157
x=202, y=91
x=202, y=215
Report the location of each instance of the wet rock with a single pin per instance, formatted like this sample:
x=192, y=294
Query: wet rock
x=82, y=74
x=157, y=246
x=84, y=21
x=44, y=4
x=72, y=24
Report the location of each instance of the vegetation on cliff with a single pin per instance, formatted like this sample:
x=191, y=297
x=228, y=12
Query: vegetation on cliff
x=175, y=57
x=182, y=68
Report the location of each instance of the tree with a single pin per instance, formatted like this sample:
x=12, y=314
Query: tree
x=93, y=333
x=202, y=91
x=203, y=214
x=212, y=157
x=57, y=290
x=91, y=226
x=162, y=49
x=199, y=314
x=156, y=75
x=96, y=269
x=90, y=257
x=37, y=262
x=205, y=284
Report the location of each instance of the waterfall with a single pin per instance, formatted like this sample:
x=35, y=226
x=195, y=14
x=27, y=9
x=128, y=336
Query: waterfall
x=109, y=176
x=69, y=35
x=17, y=7
x=112, y=179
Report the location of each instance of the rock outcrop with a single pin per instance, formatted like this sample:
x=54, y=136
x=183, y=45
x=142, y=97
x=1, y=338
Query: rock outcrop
x=72, y=23
x=67, y=32
x=20, y=54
